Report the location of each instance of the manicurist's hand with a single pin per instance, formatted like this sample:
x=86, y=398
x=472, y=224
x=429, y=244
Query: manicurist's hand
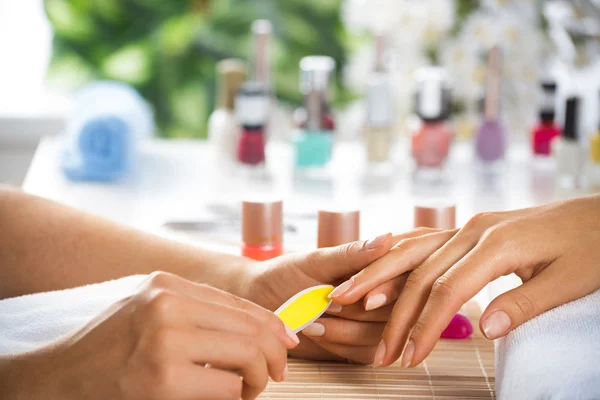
x=553, y=249
x=350, y=333
x=174, y=339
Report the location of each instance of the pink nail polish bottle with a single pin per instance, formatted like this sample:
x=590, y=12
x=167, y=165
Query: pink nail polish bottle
x=546, y=129
x=443, y=216
x=433, y=135
x=262, y=229
x=337, y=227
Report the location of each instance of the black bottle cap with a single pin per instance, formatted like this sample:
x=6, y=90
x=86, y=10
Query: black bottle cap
x=571, y=117
x=547, y=116
x=549, y=86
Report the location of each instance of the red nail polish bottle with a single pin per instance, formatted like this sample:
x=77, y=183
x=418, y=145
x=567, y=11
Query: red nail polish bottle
x=262, y=229
x=337, y=228
x=251, y=108
x=546, y=129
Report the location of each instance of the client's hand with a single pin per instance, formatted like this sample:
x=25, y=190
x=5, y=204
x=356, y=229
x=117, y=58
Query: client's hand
x=348, y=333
x=174, y=339
x=553, y=249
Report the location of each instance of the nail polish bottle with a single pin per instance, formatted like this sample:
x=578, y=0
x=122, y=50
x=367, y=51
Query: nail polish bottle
x=251, y=108
x=260, y=67
x=546, y=129
x=379, y=129
x=442, y=215
x=262, y=229
x=313, y=142
x=490, y=141
x=593, y=167
x=433, y=134
x=337, y=227
x=223, y=127
x=566, y=150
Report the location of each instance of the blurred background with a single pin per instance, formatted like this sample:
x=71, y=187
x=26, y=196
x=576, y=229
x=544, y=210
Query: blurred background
x=168, y=51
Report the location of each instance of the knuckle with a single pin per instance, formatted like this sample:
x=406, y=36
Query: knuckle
x=251, y=348
x=444, y=288
x=159, y=279
x=161, y=306
x=253, y=325
x=481, y=220
x=525, y=305
x=416, y=279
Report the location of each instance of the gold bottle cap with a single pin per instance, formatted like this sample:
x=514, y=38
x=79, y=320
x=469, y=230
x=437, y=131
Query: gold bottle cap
x=595, y=148
x=435, y=214
x=338, y=227
x=232, y=73
x=262, y=222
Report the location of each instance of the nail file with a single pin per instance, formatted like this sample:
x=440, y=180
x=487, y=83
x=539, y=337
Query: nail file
x=305, y=307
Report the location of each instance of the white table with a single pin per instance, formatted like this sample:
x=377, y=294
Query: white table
x=177, y=179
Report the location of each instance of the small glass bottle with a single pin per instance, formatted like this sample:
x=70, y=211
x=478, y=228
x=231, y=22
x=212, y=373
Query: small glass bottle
x=566, y=149
x=262, y=229
x=546, y=129
x=490, y=140
x=251, y=107
x=379, y=127
x=223, y=127
x=433, y=134
x=313, y=141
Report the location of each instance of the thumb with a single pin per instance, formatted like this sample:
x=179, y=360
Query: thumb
x=334, y=263
x=551, y=288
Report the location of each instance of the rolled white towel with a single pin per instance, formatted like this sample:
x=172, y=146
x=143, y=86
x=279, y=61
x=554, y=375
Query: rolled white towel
x=553, y=356
x=29, y=322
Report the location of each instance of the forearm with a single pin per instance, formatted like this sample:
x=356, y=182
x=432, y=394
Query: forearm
x=47, y=246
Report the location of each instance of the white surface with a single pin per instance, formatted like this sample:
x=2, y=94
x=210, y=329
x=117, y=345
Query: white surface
x=177, y=179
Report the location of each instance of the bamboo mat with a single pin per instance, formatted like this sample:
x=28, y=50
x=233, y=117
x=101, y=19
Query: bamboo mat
x=456, y=369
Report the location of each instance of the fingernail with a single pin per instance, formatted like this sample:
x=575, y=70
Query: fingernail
x=379, y=354
x=291, y=334
x=375, y=301
x=315, y=330
x=376, y=242
x=343, y=288
x=285, y=373
x=408, y=354
x=496, y=324
x=335, y=308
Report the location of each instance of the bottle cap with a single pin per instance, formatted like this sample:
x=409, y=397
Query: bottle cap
x=315, y=73
x=595, y=148
x=435, y=214
x=547, y=104
x=252, y=105
x=262, y=222
x=336, y=228
x=232, y=73
x=433, y=94
x=492, y=90
x=571, y=119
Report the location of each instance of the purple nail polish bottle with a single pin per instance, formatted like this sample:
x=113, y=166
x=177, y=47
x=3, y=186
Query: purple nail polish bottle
x=459, y=328
x=490, y=141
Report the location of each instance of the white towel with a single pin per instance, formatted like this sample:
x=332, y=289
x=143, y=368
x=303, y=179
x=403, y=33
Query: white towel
x=554, y=356
x=29, y=322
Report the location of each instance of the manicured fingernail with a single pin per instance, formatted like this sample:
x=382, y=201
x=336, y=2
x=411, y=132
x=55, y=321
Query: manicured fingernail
x=335, y=308
x=376, y=242
x=408, y=354
x=375, y=301
x=315, y=330
x=285, y=373
x=379, y=354
x=343, y=288
x=292, y=335
x=496, y=324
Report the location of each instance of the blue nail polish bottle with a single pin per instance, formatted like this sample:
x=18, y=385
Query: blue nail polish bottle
x=313, y=141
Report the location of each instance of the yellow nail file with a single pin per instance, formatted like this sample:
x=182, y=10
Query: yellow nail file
x=305, y=307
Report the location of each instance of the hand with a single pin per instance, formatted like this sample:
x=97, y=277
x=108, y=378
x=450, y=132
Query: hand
x=348, y=333
x=174, y=339
x=553, y=249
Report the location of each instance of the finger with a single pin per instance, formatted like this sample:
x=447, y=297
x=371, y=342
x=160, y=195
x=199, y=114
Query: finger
x=212, y=295
x=357, y=312
x=350, y=354
x=421, y=231
x=527, y=301
x=343, y=331
x=385, y=293
x=406, y=255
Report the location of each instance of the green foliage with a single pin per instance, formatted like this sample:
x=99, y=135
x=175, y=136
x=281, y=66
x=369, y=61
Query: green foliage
x=168, y=49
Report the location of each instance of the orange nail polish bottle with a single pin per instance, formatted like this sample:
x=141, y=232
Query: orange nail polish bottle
x=262, y=229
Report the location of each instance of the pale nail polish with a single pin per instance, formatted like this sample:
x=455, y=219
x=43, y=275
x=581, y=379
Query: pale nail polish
x=335, y=308
x=496, y=324
x=314, y=330
x=408, y=354
x=375, y=301
x=343, y=288
x=376, y=242
x=291, y=334
x=379, y=354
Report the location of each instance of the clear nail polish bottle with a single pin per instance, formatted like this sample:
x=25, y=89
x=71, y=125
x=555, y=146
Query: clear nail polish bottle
x=313, y=142
x=567, y=151
x=379, y=127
